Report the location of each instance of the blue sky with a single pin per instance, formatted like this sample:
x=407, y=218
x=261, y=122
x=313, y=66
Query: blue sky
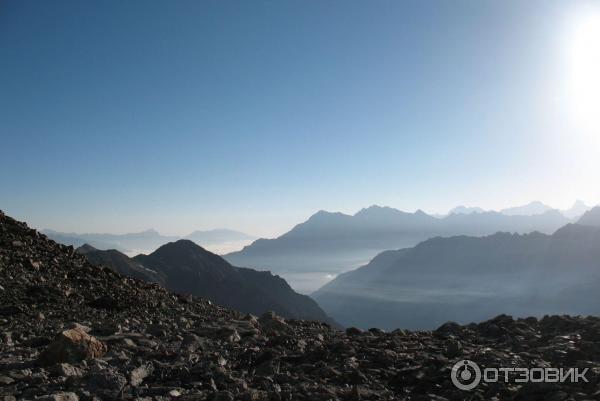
x=119, y=116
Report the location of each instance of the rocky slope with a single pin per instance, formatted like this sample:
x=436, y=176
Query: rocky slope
x=74, y=331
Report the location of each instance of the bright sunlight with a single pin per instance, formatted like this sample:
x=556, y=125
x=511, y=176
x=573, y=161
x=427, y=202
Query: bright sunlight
x=584, y=77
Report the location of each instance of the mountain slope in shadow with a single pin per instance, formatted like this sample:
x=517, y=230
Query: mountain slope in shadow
x=185, y=267
x=120, y=263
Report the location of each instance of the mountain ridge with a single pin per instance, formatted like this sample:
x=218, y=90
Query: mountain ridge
x=185, y=267
x=464, y=278
x=147, y=240
x=329, y=243
x=591, y=218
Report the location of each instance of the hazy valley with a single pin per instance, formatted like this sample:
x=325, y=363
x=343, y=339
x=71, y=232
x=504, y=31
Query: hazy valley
x=465, y=279
x=327, y=244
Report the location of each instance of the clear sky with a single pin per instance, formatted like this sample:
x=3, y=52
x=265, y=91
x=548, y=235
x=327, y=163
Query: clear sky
x=123, y=115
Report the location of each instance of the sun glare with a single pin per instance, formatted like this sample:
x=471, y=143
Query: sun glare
x=584, y=61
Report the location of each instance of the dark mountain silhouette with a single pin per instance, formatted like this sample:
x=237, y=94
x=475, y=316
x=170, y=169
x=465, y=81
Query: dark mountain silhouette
x=120, y=263
x=330, y=243
x=469, y=279
x=185, y=267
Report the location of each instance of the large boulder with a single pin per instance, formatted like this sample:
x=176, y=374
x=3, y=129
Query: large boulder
x=72, y=345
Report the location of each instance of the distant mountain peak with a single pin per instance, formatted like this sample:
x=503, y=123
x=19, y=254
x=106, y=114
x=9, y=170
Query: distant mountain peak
x=86, y=248
x=181, y=244
x=530, y=209
x=374, y=208
x=324, y=215
x=378, y=211
x=369, y=210
x=577, y=210
x=466, y=210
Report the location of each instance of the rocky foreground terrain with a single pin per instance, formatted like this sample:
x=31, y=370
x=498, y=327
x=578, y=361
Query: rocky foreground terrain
x=74, y=331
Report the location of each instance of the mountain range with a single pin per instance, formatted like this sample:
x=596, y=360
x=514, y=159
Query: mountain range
x=149, y=240
x=465, y=278
x=532, y=208
x=71, y=330
x=327, y=244
x=331, y=243
x=184, y=267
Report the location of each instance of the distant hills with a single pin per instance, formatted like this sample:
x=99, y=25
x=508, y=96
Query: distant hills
x=466, y=210
x=577, y=210
x=466, y=279
x=149, y=240
x=527, y=210
x=78, y=240
x=185, y=267
x=532, y=208
x=331, y=243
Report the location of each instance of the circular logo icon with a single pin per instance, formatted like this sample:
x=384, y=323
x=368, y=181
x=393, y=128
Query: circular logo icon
x=465, y=375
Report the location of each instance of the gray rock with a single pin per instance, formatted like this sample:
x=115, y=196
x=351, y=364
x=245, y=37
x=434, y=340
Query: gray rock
x=62, y=396
x=138, y=374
